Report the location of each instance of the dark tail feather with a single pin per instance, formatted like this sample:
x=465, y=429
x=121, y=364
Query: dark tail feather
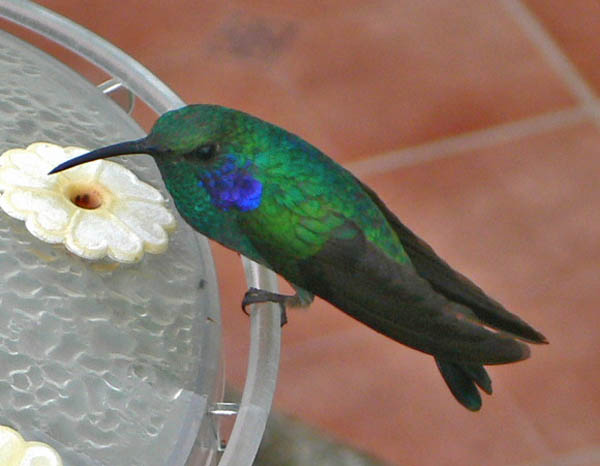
x=463, y=379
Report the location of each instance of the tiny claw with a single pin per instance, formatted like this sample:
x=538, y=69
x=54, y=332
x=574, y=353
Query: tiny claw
x=252, y=296
x=255, y=296
x=283, y=317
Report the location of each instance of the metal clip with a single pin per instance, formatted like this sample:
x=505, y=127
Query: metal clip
x=225, y=410
x=113, y=85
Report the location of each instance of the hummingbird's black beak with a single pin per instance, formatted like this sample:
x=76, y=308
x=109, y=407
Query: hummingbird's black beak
x=139, y=146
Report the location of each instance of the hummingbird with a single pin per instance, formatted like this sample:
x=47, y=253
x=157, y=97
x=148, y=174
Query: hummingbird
x=268, y=194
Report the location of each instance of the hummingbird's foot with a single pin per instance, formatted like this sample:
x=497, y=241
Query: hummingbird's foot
x=255, y=296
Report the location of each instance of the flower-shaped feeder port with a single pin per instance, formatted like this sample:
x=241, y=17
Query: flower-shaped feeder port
x=15, y=451
x=97, y=209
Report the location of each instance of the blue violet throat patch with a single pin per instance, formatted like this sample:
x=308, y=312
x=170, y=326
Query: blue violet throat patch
x=232, y=186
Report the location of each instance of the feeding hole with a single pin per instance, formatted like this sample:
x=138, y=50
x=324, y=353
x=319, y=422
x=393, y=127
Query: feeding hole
x=86, y=197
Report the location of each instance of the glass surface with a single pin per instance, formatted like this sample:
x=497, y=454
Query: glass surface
x=101, y=361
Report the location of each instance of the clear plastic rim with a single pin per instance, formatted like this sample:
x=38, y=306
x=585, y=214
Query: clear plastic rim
x=265, y=324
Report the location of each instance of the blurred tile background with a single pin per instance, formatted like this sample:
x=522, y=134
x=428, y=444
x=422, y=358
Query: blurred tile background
x=479, y=125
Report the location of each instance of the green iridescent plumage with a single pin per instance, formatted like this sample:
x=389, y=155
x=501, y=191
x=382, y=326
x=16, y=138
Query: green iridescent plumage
x=273, y=197
x=299, y=207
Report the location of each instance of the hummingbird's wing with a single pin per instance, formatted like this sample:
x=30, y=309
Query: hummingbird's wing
x=462, y=378
x=360, y=279
x=391, y=297
x=453, y=285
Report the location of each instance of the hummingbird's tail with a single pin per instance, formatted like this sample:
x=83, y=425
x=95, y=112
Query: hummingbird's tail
x=463, y=379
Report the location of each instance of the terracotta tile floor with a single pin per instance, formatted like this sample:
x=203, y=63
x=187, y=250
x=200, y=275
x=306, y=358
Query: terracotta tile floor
x=478, y=124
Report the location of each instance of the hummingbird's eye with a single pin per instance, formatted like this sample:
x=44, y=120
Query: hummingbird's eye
x=202, y=152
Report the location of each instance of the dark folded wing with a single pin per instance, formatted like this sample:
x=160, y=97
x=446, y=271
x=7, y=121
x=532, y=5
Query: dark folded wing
x=357, y=277
x=454, y=285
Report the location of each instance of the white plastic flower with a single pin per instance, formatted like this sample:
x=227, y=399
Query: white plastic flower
x=96, y=209
x=15, y=451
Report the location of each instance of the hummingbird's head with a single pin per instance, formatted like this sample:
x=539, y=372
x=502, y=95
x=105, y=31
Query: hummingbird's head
x=196, y=133
x=190, y=130
x=198, y=148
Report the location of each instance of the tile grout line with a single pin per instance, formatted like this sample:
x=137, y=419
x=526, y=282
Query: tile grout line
x=589, y=107
x=566, y=70
x=473, y=140
x=540, y=37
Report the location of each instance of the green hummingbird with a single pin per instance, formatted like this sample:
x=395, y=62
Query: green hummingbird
x=271, y=196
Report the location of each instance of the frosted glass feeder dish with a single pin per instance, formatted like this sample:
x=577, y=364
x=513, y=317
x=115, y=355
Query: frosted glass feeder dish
x=106, y=362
